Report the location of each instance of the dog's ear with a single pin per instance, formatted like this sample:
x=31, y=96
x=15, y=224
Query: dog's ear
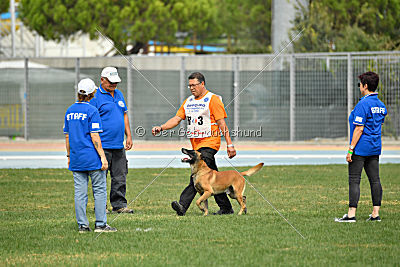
x=199, y=155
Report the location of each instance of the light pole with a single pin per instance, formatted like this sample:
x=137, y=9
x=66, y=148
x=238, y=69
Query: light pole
x=12, y=12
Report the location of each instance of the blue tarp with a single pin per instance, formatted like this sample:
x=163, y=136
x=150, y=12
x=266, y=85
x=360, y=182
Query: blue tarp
x=8, y=15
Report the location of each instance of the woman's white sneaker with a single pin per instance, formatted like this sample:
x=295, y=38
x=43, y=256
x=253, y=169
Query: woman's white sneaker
x=346, y=218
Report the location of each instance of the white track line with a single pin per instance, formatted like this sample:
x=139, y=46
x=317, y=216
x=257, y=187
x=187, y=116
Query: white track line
x=260, y=156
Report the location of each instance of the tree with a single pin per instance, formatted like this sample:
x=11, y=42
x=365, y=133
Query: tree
x=348, y=25
x=4, y=6
x=135, y=22
x=55, y=19
x=130, y=22
x=124, y=22
x=248, y=23
x=259, y=25
x=231, y=20
x=201, y=21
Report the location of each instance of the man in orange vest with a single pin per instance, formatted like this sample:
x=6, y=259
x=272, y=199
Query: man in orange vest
x=205, y=115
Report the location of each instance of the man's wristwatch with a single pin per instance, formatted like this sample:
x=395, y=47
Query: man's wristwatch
x=231, y=145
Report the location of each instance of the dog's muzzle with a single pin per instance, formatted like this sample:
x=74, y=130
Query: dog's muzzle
x=191, y=155
x=186, y=160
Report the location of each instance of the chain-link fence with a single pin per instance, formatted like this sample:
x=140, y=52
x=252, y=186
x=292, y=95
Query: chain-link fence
x=267, y=98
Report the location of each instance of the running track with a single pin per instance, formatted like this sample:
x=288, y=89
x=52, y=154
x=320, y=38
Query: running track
x=51, y=154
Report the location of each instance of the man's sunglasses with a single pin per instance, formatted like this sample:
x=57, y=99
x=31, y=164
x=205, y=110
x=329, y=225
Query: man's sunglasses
x=111, y=82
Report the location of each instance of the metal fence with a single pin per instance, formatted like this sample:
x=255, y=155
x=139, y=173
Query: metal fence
x=291, y=97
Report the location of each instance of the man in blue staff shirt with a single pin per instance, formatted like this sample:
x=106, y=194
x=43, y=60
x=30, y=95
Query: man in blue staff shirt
x=86, y=157
x=114, y=116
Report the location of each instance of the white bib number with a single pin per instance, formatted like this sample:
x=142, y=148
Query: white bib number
x=198, y=116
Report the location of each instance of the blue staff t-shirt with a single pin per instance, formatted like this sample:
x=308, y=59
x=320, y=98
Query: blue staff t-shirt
x=370, y=112
x=112, y=110
x=80, y=120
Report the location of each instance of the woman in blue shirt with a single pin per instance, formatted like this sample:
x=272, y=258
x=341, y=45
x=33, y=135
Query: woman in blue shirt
x=86, y=157
x=365, y=122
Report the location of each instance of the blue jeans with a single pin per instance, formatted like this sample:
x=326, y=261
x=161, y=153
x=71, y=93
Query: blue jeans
x=99, y=186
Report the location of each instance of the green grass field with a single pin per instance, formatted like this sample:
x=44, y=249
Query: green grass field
x=38, y=224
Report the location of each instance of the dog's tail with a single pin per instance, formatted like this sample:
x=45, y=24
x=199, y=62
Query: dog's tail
x=253, y=170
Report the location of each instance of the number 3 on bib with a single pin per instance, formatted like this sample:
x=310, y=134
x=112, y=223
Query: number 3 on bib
x=198, y=121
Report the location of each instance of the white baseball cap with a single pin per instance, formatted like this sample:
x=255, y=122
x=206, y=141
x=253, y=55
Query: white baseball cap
x=86, y=86
x=111, y=74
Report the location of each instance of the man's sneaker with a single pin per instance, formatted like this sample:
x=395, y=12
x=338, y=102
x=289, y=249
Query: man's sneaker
x=84, y=229
x=105, y=228
x=123, y=210
x=180, y=210
x=345, y=218
x=372, y=219
x=224, y=212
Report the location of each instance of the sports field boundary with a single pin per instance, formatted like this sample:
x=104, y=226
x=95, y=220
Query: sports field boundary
x=7, y=144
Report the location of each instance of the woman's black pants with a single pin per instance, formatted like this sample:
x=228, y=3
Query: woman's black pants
x=371, y=167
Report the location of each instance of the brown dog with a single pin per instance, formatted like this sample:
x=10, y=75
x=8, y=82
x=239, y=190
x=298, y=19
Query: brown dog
x=209, y=182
